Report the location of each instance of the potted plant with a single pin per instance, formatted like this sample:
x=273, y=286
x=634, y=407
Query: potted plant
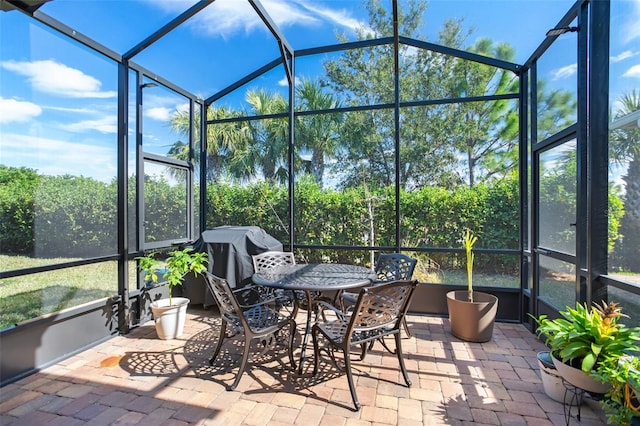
x=621, y=402
x=584, y=339
x=551, y=382
x=170, y=314
x=471, y=314
x=632, y=367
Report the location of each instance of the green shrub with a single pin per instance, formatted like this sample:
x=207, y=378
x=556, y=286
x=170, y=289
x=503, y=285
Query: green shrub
x=17, y=188
x=76, y=216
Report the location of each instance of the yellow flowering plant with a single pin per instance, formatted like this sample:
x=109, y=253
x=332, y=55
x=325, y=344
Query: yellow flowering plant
x=468, y=240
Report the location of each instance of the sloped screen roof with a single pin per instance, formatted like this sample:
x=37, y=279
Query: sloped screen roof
x=227, y=39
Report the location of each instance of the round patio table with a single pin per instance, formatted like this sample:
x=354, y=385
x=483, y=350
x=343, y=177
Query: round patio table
x=311, y=278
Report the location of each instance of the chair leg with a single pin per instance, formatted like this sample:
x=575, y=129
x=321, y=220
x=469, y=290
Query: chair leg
x=352, y=387
x=243, y=362
x=292, y=332
x=223, y=333
x=403, y=368
x=316, y=351
x=384, y=344
x=406, y=327
x=337, y=300
x=363, y=350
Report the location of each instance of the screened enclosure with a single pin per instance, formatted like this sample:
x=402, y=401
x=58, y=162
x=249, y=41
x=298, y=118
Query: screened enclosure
x=345, y=129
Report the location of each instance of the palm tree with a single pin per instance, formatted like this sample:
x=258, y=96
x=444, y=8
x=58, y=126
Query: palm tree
x=223, y=139
x=318, y=133
x=624, y=147
x=264, y=149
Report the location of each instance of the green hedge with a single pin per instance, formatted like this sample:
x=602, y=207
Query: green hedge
x=430, y=217
x=17, y=190
x=76, y=216
x=71, y=216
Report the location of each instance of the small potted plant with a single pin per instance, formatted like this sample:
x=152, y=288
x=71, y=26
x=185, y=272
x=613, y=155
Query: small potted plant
x=585, y=339
x=621, y=403
x=471, y=314
x=170, y=314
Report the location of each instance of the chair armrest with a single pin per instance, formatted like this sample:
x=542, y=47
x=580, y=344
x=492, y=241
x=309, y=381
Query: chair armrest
x=328, y=306
x=251, y=296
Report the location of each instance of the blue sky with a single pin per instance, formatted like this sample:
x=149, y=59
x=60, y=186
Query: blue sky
x=56, y=101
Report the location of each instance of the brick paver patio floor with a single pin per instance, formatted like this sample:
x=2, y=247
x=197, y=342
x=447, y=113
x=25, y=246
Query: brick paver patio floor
x=139, y=379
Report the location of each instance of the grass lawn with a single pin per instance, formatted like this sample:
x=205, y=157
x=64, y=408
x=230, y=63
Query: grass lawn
x=26, y=297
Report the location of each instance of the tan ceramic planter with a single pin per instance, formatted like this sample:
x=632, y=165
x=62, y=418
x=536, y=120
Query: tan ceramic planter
x=472, y=321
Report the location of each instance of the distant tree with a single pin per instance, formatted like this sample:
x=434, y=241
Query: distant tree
x=556, y=110
x=433, y=139
x=223, y=139
x=244, y=149
x=557, y=201
x=265, y=148
x=364, y=77
x=624, y=145
x=443, y=144
x=486, y=132
x=318, y=133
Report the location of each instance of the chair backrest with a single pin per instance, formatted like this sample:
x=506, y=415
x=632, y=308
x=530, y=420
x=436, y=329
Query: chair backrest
x=224, y=297
x=382, y=305
x=395, y=266
x=271, y=259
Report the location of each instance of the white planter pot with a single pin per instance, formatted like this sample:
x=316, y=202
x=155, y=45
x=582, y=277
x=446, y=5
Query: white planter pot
x=551, y=380
x=170, y=319
x=579, y=378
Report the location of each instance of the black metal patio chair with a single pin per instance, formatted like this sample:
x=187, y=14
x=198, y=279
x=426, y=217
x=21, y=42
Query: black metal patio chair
x=271, y=259
x=246, y=309
x=389, y=267
x=378, y=312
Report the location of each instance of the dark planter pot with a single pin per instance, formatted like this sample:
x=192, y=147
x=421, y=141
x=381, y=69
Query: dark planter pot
x=472, y=321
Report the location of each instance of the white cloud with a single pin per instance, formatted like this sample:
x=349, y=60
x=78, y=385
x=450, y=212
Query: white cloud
x=161, y=107
x=288, y=13
x=14, y=111
x=73, y=110
x=183, y=107
x=104, y=125
x=634, y=71
x=631, y=28
x=54, y=78
x=341, y=18
x=56, y=157
x=227, y=17
x=284, y=82
x=564, y=72
x=158, y=113
x=624, y=55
